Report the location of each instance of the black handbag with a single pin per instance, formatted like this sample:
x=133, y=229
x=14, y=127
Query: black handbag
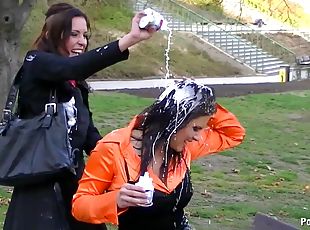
x=36, y=149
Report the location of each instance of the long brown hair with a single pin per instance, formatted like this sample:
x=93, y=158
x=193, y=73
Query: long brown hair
x=57, y=30
x=173, y=110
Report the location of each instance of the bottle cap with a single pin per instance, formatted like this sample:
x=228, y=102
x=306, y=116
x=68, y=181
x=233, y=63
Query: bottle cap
x=153, y=18
x=145, y=182
x=144, y=21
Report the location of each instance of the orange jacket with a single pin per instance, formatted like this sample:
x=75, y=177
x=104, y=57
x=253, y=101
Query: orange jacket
x=95, y=199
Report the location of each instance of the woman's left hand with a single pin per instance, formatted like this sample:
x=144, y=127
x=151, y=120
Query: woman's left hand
x=131, y=195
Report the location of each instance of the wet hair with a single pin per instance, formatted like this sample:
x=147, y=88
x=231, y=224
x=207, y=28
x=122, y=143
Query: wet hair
x=179, y=104
x=57, y=28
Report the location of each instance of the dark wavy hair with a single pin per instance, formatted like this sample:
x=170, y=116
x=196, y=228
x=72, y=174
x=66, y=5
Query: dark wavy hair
x=57, y=28
x=57, y=8
x=173, y=110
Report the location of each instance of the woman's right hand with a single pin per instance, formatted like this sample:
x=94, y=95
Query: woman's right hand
x=131, y=195
x=136, y=34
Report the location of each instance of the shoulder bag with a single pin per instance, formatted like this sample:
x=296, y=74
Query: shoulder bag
x=37, y=149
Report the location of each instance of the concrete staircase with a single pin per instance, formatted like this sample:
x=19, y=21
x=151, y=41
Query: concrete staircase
x=225, y=37
x=244, y=51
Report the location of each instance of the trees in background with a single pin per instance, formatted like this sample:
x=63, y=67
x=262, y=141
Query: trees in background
x=283, y=10
x=13, y=15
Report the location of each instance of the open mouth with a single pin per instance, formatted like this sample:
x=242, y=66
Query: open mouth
x=76, y=52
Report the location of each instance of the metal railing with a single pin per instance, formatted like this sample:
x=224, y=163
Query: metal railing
x=228, y=37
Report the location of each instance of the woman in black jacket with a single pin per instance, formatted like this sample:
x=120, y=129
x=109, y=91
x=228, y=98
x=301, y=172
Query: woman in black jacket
x=59, y=61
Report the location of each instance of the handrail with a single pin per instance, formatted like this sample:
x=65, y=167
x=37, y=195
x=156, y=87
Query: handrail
x=251, y=29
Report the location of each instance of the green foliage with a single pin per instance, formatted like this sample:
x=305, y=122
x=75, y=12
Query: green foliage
x=110, y=16
x=206, y=4
x=112, y=110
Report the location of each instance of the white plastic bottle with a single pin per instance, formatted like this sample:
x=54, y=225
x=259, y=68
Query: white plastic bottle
x=146, y=183
x=153, y=19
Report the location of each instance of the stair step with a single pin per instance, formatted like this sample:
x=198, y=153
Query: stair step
x=254, y=54
x=246, y=50
x=272, y=72
x=235, y=42
x=261, y=60
x=268, y=63
x=270, y=68
x=225, y=38
x=214, y=34
x=241, y=47
x=262, y=55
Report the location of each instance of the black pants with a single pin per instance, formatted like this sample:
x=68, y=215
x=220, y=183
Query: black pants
x=41, y=207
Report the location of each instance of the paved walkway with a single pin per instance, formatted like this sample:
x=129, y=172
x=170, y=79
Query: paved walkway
x=157, y=83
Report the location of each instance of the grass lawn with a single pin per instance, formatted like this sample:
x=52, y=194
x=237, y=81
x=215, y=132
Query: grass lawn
x=269, y=172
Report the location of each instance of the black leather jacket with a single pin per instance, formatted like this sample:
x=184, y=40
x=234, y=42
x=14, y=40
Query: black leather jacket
x=43, y=72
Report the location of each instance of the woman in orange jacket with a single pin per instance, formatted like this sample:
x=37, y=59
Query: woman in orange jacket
x=183, y=124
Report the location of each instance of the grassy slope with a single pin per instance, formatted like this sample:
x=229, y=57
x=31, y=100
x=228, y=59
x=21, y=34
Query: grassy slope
x=111, y=21
x=210, y=9
x=268, y=172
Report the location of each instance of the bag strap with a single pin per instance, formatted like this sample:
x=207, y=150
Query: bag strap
x=50, y=109
x=11, y=99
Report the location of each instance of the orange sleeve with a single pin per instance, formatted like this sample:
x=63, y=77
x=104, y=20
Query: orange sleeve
x=224, y=131
x=92, y=203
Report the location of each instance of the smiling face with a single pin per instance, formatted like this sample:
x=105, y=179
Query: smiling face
x=191, y=132
x=76, y=43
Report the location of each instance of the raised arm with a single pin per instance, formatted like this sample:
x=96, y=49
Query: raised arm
x=54, y=68
x=224, y=131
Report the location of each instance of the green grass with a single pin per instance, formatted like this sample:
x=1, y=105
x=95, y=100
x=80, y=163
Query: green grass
x=273, y=165
x=5, y=194
x=268, y=173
